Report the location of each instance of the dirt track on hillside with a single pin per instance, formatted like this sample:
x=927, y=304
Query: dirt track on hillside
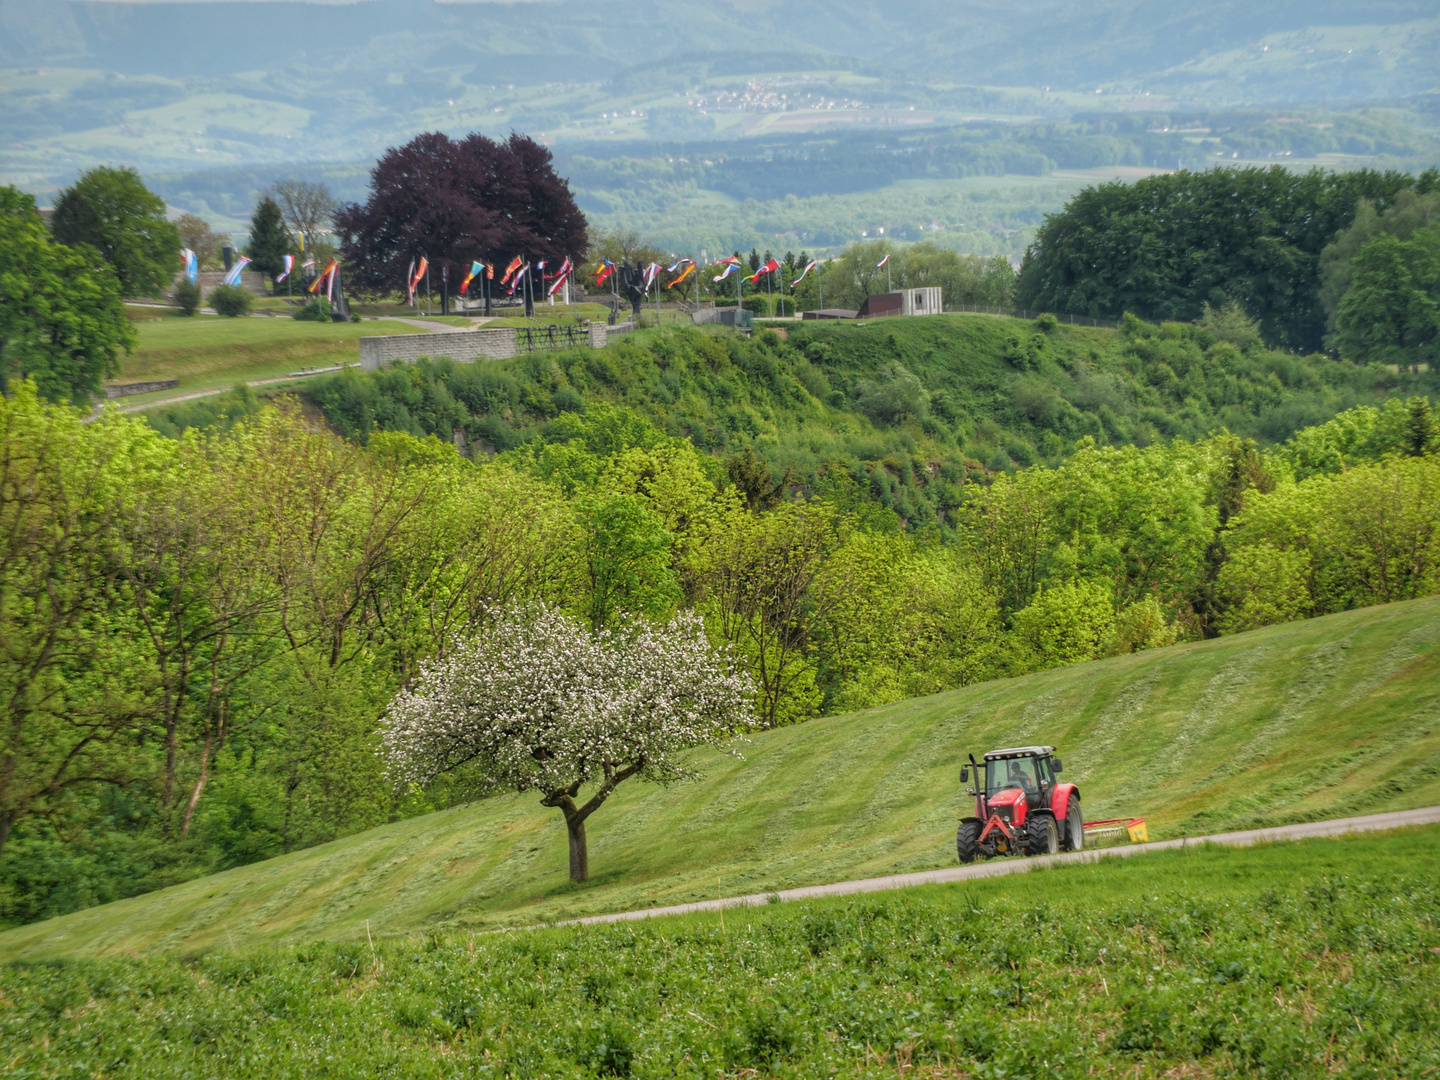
x=997, y=867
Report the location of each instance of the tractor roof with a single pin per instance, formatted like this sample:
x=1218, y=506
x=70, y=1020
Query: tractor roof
x=1020, y=751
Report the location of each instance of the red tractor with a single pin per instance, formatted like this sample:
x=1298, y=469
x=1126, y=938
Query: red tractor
x=1020, y=808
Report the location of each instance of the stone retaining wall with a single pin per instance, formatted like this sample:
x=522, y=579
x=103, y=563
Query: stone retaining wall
x=464, y=347
x=131, y=389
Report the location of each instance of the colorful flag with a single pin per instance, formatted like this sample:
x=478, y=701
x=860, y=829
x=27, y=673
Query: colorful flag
x=730, y=268
x=807, y=270
x=417, y=271
x=519, y=277
x=288, y=261
x=332, y=272
x=677, y=264
x=475, y=268
x=489, y=271
x=561, y=276
x=515, y=264
x=883, y=261
x=769, y=267
x=191, y=264
x=689, y=269
x=233, y=277
x=565, y=268
x=651, y=273
x=326, y=278
x=603, y=271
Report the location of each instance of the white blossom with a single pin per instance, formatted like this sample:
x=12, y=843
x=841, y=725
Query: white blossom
x=537, y=702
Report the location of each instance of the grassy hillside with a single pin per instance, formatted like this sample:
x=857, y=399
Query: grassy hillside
x=205, y=351
x=1310, y=959
x=1308, y=720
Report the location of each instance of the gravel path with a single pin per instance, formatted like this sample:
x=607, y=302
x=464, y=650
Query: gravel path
x=998, y=867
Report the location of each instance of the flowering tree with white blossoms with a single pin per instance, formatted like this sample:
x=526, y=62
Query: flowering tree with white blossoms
x=537, y=702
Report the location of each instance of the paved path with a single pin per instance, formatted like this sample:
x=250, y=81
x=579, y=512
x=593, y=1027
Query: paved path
x=999, y=867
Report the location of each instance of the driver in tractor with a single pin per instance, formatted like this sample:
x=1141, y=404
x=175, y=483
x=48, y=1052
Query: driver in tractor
x=1018, y=778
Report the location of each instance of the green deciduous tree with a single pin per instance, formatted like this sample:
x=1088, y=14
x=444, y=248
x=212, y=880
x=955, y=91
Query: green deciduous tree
x=114, y=212
x=62, y=322
x=1390, y=314
x=69, y=698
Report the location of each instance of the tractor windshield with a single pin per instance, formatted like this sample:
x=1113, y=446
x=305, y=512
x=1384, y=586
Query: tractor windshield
x=1011, y=773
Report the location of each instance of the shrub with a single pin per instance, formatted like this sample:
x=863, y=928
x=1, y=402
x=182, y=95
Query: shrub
x=1046, y=322
x=231, y=301
x=187, y=297
x=318, y=311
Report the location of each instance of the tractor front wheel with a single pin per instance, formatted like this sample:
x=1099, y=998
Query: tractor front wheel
x=1044, y=837
x=967, y=841
x=1074, y=826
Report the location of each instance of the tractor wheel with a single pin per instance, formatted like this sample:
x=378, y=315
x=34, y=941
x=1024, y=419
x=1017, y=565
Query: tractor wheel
x=1044, y=837
x=967, y=841
x=1074, y=826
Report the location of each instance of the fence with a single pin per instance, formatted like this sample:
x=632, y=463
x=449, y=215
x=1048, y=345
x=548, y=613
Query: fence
x=530, y=339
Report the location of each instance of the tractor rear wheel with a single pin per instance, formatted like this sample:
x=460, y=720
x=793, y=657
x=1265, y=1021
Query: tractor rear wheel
x=1074, y=826
x=1044, y=837
x=967, y=841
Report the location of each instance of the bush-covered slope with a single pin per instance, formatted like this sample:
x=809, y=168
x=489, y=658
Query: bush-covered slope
x=1307, y=720
x=911, y=409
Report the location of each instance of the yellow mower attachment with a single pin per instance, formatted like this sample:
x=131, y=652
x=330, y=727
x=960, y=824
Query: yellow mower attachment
x=1133, y=828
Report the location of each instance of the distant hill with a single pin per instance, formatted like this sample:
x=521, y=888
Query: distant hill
x=1317, y=719
x=1317, y=49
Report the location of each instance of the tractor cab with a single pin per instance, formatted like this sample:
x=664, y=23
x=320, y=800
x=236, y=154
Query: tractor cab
x=1020, y=805
x=1026, y=773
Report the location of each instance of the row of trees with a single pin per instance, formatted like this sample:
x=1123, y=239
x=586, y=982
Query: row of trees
x=201, y=635
x=1165, y=246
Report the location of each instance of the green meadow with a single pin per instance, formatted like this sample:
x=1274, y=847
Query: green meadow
x=1311, y=959
x=1317, y=719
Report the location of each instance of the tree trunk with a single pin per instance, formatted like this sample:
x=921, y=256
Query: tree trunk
x=199, y=788
x=579, y=854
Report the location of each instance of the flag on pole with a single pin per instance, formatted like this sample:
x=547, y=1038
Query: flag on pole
x=191, y=265
x=730, y=268
x=288, y=261
x=689, y=269
x=677, y=264
x=417, y=272
x=309, y=264
x=326, y=278
x=233, y=277
x=565, y=268
x=728, y=260
x=651, y=273
x=560, y=277
x=475, y=268
x=807, y=270
x=515, y=264
x=769, y=267
x=519, y=277
x=603, y=271
x=883, y=261
x=331, y=273
x=489, y=271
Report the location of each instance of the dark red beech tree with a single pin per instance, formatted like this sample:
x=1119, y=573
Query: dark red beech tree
x=454, y=201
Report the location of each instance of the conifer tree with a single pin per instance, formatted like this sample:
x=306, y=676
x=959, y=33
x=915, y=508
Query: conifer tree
x=268, y=239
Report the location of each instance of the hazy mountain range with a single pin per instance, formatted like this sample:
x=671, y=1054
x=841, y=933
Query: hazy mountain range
x=1292, y=50
x=673, y=113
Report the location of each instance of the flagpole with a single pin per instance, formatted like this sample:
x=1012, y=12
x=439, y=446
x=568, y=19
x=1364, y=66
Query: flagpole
x=429, y=296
